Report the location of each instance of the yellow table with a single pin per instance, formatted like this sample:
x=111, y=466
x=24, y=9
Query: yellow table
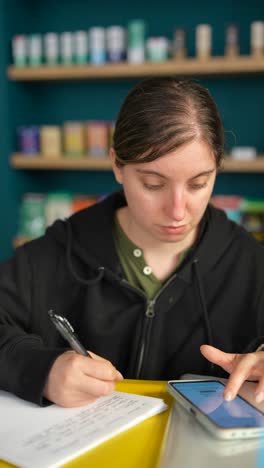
x=137, y=447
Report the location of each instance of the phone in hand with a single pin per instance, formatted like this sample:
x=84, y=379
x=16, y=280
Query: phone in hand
x=236, y=419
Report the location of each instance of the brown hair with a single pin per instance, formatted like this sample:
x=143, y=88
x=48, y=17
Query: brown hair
x=161, y=114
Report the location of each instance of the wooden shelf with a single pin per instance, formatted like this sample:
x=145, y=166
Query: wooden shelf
x=188, y=66
x=37, y=162
x=233, y=165
x=19, y=161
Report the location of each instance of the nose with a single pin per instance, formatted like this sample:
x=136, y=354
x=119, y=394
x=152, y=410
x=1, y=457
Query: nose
x=176, y=205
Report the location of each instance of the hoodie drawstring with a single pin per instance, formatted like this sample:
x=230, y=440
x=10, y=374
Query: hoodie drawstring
x=81, y=280
x=204, y=308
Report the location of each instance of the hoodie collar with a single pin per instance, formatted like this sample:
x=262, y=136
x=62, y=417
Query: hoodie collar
x=93, y=243
x=92, y=233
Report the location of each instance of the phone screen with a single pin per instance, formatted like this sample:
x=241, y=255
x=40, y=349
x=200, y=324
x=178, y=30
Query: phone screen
x=208, y=397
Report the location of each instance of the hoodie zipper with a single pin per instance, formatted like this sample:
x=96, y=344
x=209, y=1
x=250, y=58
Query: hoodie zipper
x=148, y=317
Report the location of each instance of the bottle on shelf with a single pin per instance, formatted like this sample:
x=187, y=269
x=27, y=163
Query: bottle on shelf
x=257, y=38
x=179, y=44
x=231, y=41
x=51, y=48
x=203, y=41
x=20, y=50
x=136, y=42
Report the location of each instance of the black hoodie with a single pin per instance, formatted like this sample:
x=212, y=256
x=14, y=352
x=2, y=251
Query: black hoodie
x=216, y=297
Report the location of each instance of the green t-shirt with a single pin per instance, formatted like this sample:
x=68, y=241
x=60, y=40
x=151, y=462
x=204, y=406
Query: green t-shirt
x=136, y=270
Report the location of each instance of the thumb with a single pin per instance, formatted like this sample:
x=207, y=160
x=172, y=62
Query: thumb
x=96, y=357
x=216, y=356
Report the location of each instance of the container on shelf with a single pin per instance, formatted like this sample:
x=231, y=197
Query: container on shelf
x=203, y=41
x=50, y=141
x=80, y=44
x=81, y=202
x=136, y=41
x=66, y=48
x=35, y=50
x=243, y=153
x=58, y=205
x=231, y=41
x=97, y=46
x=179, y=49
x=157, y=49
x=97, y=138
x=231, y=204
x=74, y=142
x=19, y=50
x=116, y=43
x=257, y=38
x=51, y=48
x=28, y=140
x=32, y=223
x=253, y=217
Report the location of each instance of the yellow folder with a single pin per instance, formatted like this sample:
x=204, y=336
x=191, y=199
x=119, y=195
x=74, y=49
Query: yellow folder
x=137, y=447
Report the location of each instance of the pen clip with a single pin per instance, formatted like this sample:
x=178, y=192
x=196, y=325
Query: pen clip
x=62, y=320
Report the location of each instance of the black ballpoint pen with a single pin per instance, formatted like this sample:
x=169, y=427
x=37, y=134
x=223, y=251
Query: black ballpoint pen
x=67, y=332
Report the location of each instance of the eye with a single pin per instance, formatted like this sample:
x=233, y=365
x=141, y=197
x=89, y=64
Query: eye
x=153, y=186
x=198, y=186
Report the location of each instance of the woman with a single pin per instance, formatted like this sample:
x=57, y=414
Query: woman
x=149, y=277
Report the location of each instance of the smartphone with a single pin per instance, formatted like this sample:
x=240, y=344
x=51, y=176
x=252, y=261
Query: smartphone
x=236, y=419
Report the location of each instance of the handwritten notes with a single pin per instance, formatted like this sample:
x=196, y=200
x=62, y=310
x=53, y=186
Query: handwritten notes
x=49, y=437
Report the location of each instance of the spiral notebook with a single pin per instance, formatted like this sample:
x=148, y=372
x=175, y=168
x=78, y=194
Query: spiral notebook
x=49, y=437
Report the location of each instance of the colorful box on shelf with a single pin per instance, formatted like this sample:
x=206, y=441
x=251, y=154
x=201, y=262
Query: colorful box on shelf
x=38, y=211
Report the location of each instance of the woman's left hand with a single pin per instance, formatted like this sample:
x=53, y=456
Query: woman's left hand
x=241, y=367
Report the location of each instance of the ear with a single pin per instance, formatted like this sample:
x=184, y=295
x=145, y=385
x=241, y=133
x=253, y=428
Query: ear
x=118, y=171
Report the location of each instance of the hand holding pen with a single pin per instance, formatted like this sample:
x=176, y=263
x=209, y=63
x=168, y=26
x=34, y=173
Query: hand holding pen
x=74, y=380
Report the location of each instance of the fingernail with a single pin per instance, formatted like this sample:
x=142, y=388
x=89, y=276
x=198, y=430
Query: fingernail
x=228, y=396
x=119, y=375
x=259, y=397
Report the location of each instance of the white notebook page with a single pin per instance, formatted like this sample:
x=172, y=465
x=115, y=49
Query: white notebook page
x=48, y=437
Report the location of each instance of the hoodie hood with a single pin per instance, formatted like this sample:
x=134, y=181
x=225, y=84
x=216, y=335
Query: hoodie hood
x=88, y=227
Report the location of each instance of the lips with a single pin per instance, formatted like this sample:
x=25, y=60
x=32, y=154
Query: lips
x=173, y=229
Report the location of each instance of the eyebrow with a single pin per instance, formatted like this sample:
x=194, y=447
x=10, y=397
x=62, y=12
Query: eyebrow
x=148, y=172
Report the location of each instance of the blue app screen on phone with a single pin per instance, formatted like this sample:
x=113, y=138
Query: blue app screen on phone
x=208, y=397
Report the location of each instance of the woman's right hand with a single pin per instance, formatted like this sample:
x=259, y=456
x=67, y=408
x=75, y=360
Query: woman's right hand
x=75, y=380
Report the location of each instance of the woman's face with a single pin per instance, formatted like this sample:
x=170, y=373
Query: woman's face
x=167, y=197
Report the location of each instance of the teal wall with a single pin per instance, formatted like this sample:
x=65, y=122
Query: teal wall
x=240, y=99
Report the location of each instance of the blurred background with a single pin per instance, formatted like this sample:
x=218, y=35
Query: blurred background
x=66, y=67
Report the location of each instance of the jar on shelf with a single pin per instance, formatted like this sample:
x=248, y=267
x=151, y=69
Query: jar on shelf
x=157, y=49
x=74, y=143
x=50, y=141
x=97, y=138
x=28, y=140
x=31, y=221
